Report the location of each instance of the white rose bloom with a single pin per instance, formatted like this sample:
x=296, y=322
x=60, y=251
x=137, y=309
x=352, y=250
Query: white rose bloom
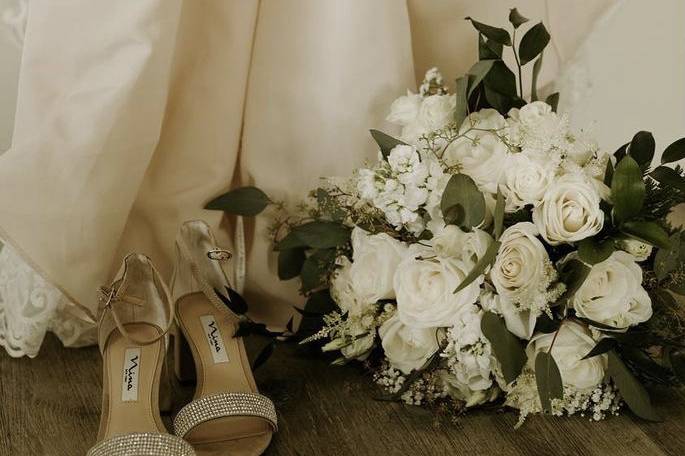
x=436, y=111
x=452, y=242
x=638, y=249
x=404, y=110
x=525, y=181
x=482, y=155
x=569, y=211
x=424, y=288
x=375, y=260
x=520, y=323
x=342, y=291
x=407, y=348
x=522, y=271
x=535, y=113
x=540, y=130
x=613, y=294
x=572, y=343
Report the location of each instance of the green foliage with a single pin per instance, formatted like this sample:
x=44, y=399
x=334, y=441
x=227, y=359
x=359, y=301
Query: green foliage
x=385, y=142
x=649, y=232
x=290, y=263
x=593, y=251
x=462, y=203
x=516, y=18
x=668, y=177
x=633, y=393
x=533, y=43
x=498, y=217
x=488, y=49
x=316, y=268
x=498, y=35
x=553, y=101
x=461, y=96
x=668, y=259
x=321, y=234
x=573, y=274
x=627, y=189
x=507, y=347
x=642, y=148
x=248, y=201
x=548, y=379
x=480, y=267
x=674, y=152
x=602, y=347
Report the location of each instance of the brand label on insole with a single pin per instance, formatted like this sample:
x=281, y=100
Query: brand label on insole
x=214, y=339
x=129, y=387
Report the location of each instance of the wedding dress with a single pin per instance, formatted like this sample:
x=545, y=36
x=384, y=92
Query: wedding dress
x=166, y=103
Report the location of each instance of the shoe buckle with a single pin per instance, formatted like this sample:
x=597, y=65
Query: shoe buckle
x=218, y=254
x=106, y=296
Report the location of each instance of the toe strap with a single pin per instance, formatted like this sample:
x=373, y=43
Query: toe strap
x=143, y=444
x=224, y=405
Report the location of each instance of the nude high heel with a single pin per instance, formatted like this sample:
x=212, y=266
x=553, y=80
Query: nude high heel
x=135, y=315
x=227, y=414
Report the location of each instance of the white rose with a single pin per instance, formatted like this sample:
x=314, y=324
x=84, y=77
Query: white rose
x=572, y=343
x=522, y=266
x=482, y=155
x=342, y=290
x=425, y=284
x=404, y=110
x=451, y=241
x=436, y=111
x=639, y=250
x=374, y=261
x=525, y=181
x=520, y=323
x=612, y=293
x=569, y=211
x=462, y=392
x=533, y=114
x=407, y=348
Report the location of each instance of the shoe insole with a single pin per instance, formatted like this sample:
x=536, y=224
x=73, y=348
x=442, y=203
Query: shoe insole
x=131, y=383
x=221, y=366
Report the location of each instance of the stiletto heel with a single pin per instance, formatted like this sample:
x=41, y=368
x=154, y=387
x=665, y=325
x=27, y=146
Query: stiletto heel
x=135, y=316
x=227, y=414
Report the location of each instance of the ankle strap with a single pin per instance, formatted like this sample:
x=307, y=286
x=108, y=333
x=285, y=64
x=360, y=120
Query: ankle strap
x=108, y=296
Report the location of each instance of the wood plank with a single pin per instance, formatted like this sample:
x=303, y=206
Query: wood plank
x=50, y=406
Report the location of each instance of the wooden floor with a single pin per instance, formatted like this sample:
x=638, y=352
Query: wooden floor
x=50, y=406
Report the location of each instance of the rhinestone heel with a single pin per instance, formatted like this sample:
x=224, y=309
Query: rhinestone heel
x=135, y=316
x=227, y=414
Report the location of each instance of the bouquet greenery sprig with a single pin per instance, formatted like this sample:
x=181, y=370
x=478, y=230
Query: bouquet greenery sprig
x=493, y=254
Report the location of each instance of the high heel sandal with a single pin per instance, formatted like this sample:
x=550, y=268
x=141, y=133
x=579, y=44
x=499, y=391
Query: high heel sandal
x=227, y=414
x=135, y=315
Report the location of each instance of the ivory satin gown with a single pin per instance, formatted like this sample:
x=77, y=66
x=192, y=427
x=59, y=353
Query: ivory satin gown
x=132, y=114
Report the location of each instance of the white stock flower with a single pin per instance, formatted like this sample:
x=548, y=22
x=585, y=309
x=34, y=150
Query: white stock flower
x=522, y=271
x=612, y=294
x=405, y=347
x=572, y=343
x=638, y=249
x=404, y=110
x=525, y=181
x=481, y=154
x=406, y=163
x=569, y=211
x=375, y=260
x=424, y=288
x=452, y=242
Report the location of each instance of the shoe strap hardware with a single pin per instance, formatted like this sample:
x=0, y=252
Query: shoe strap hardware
x=219, y=254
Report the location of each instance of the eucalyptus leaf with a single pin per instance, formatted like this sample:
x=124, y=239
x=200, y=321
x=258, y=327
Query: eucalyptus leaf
x=627, y=189
x=516, y=18
x=648, y=232
x=674, y=152
x=290, y=263
x=247, y=201
x=486, y=260
x=533, y=43
x=548, y=379
x=462, y=191
x=632, y=392
x=290, y=241
x=501, y=79
x=642, y=148
x=573, y=274
x=385, y=142
x=667, y=260
x=668, y=177
x=323, y=234
x=608, y=173
x=537, y=66
x=621, y=152
x=320, y=302
x=233, y=300
x=499, y=215
x=593, y=251
x=603, y=346
x=479, y=70
x=507, y=347
x=498, y=35
x=553, y=101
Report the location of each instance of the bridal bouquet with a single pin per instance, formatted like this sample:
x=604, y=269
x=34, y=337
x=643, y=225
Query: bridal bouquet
x=491, y=253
